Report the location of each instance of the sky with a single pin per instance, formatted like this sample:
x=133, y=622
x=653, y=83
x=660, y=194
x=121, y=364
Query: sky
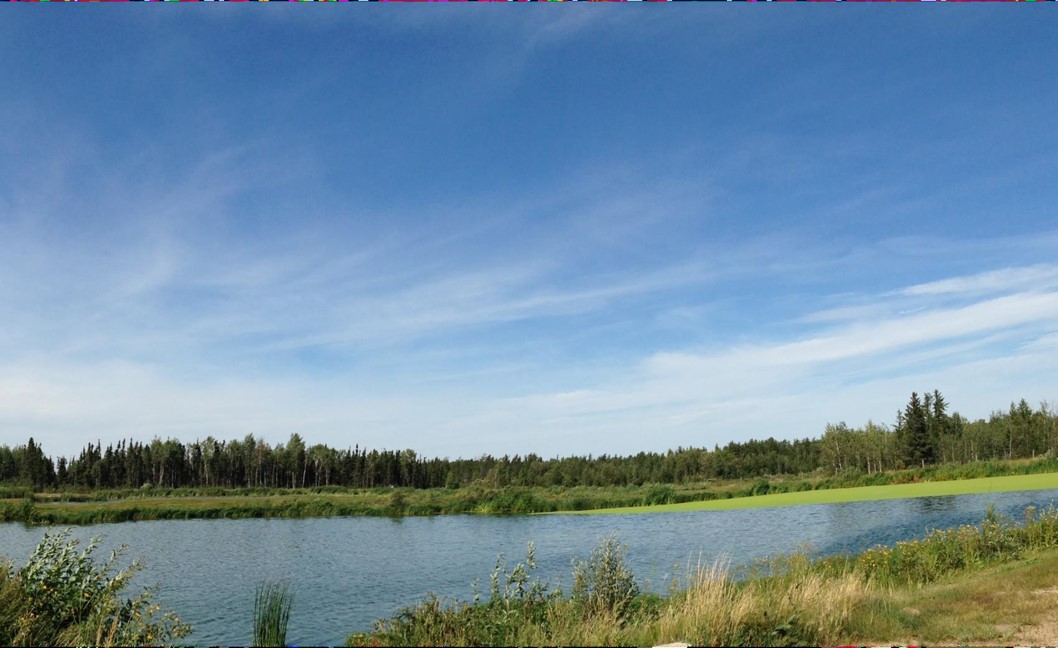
x=560, y=229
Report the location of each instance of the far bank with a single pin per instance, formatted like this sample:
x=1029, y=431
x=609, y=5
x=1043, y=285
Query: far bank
x=1004, y=484
x=121, y=505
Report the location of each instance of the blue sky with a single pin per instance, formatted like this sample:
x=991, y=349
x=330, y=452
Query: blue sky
x=552, y=229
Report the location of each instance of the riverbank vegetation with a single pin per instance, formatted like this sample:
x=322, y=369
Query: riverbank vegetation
x=876, y=596
x=62, y=597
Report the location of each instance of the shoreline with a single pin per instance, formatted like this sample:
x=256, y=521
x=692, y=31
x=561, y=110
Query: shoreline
x=976, y=486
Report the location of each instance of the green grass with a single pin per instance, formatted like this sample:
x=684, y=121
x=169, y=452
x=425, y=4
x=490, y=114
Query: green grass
x=855, y=494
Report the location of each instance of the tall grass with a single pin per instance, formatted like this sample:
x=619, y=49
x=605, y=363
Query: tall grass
x=948, y=551
x=796, y=608
x=271, y=613
x=11, y=603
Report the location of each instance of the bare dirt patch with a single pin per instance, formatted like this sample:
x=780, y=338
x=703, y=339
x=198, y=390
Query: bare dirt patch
x=1046, y=631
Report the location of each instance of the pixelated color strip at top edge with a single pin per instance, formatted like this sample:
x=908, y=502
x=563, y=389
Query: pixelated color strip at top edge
x=528, y=0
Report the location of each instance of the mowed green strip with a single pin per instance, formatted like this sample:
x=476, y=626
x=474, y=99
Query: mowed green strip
x=1042, y=481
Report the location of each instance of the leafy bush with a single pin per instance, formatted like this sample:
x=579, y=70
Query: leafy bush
x=516, y=602
x=605, y=583
x=67, y=599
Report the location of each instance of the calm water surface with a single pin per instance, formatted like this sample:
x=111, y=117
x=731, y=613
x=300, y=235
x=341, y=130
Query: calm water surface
x=348, y=572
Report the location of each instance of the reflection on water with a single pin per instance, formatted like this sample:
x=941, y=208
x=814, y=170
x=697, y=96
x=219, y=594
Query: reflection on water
x=935, y=504
x=348, y=572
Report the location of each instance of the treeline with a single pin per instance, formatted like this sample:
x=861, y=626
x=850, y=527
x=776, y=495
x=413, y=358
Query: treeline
x=923, y=434
x=926, y=434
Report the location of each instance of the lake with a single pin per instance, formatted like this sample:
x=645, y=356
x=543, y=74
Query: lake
x=348, y=572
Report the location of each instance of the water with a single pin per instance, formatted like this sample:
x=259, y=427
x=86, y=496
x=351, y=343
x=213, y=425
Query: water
x=348, y=572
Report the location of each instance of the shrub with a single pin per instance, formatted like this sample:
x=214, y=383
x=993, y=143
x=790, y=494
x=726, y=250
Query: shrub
x=605, y=584
x=517, y=602
x=659, y=494
x=515, y=501
x=67, y=599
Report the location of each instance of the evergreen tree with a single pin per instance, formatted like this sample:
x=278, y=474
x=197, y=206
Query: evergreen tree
x=940, y=427
x=920, y=450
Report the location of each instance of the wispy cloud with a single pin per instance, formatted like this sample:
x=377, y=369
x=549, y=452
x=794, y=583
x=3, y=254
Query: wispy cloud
x=851, y=371
x=1040, y=277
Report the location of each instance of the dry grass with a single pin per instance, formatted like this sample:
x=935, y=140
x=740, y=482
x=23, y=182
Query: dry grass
x=799, y=607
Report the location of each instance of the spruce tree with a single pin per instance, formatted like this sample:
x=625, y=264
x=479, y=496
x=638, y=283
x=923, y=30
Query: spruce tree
x=939, y=427
x=920, y=449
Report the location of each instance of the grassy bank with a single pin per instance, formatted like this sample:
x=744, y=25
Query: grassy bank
x=121, y=507
x=1007, y=604
x=855, y=494
x=18, y=504
x=941, y=589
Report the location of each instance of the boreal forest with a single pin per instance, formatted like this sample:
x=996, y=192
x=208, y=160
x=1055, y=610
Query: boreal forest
x=924, y=433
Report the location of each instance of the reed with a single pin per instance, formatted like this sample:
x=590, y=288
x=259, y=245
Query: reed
x=271, y=613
